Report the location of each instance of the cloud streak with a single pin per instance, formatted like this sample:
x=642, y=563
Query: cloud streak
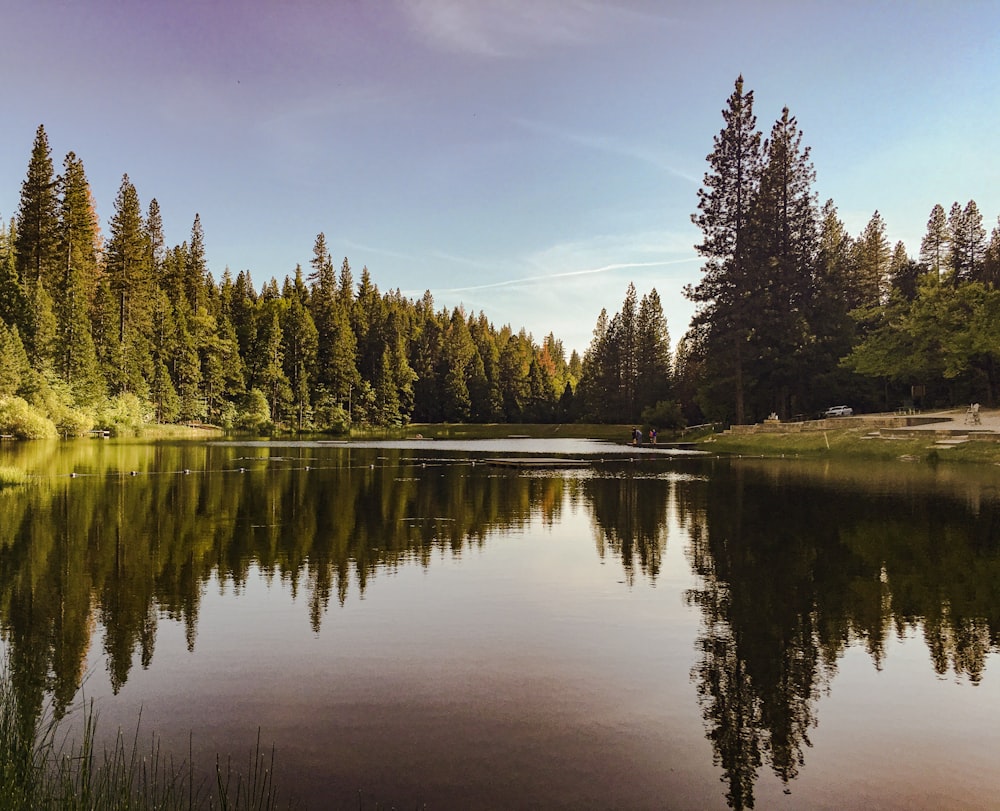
x=610, y=145
x=499, y=29
x=569, y=274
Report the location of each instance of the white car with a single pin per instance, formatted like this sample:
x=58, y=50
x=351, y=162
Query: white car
x=838, y=411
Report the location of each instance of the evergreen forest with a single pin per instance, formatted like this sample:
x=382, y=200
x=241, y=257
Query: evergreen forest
x=115, y=329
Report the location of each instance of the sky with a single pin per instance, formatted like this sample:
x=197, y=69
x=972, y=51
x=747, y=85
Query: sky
x=525, y=158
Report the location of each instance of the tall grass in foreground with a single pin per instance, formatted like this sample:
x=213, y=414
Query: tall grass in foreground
x=42, y=768
x=12, y=475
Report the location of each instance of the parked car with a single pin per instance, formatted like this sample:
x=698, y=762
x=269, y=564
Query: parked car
x=838, y=411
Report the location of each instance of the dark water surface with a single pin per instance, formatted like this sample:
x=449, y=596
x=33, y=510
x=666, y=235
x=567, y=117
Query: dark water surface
x=413, y=626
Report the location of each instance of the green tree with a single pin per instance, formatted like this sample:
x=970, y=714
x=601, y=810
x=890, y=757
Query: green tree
x=725, y=204
x=934, y=246
x=652, y=352
x=514, y=370
x=73, y=287
x=37, y=238
x=454, y=368
x=991, y=258
x=904, y=273
x=196, y=269
x=15, y=369
x=784, y=243
x=967, y=242
x=130, y=283
x=12, y=299
x=872, y=257
x=300, y=341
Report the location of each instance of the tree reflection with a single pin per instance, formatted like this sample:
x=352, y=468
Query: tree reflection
x=792, y=572
x=794, y=564
x=630, y=519
x=146, y=528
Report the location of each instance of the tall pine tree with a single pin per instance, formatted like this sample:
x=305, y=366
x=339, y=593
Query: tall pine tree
x=725, y=204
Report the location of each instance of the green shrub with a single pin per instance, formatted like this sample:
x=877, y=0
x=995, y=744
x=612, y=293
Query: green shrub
x=329, y=416
x=124, y=415
x=23, y=421
x=255, y=413
x=664, y=414
x=71, y=421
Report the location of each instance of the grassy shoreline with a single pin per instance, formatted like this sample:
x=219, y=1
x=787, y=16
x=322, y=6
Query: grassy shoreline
x=854, y=443
x=849, y=442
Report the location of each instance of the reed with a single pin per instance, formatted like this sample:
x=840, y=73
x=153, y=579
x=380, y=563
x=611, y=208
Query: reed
x=11, y=476
x=42, y=768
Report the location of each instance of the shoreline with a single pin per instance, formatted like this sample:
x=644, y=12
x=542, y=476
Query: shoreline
x=943, y=436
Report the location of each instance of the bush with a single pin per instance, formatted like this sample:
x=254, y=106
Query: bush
x=664, y=415
x=23, y=421
x=71, y=422
x=255, y=414
x=124, y=415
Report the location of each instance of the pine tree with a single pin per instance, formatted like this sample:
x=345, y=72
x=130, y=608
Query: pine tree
x=597, y=386
x=37, y=240
x=425, y=349
x=484, y=389
x=40, y=325
x=196, y=270
x=626, y=340
x=968, y=242
x=12, y=299
x=457, y=352
x=130, y=283
x=514, y=370
x=991, y=258
x=725, y=203
x=904, y=273
x=14, y=365
x=157, y=242
x=73, y=288
x=872, y=257
x=300, y=341
x=935, y=244
x=336, y=375
x=652, y=352
x=784, y=243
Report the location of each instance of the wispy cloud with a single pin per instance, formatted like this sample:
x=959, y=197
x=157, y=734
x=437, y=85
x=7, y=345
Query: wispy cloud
x=551, y=277
x=504, y=28
x=609, y=144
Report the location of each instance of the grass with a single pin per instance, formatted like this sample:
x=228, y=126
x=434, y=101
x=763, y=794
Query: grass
x=12, y=475
x=42, y=768
x=853, y=443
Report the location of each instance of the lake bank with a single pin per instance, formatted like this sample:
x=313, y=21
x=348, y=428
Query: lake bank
x=941, y=436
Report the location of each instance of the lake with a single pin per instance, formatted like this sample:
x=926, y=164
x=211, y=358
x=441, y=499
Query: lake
x=519, y=623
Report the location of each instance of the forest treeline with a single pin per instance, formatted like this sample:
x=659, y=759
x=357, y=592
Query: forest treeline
x=123, y=329
x=793, y=314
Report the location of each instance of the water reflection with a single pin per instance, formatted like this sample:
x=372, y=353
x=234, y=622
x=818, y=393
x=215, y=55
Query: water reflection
x=794, y=562
x=792, y=573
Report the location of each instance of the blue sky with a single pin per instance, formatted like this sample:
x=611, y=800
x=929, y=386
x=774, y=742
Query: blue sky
x=527, y=158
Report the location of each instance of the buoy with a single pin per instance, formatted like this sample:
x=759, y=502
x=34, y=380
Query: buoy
x=134, y=473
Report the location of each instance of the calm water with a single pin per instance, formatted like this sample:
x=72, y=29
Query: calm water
x=413, y=626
